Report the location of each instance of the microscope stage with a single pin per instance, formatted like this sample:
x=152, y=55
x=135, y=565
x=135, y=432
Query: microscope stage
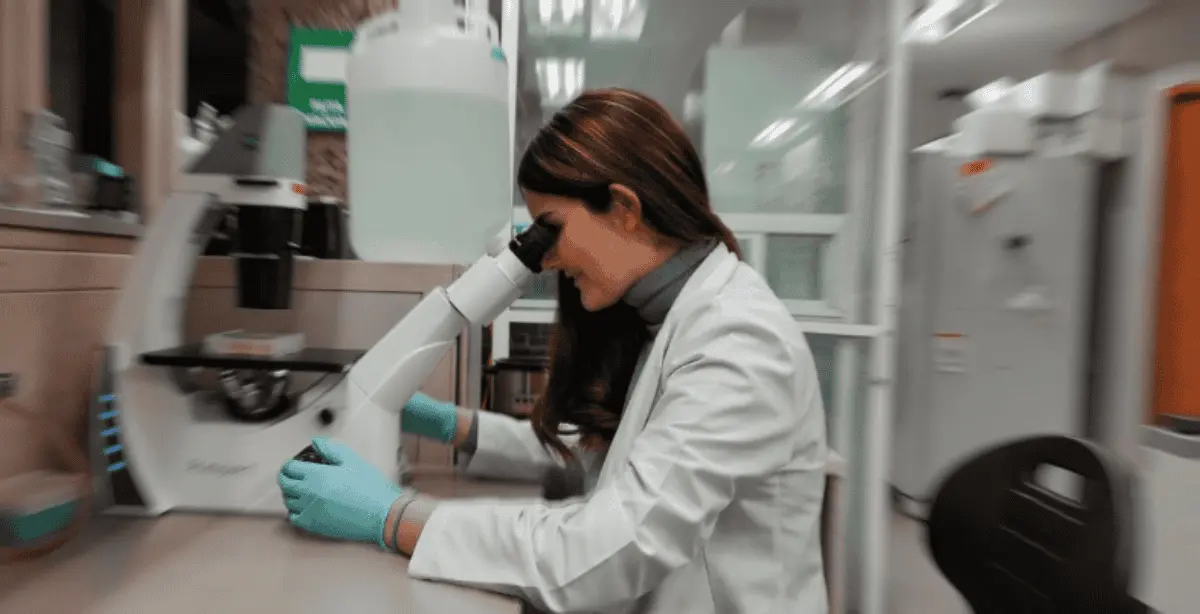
x=313, y=360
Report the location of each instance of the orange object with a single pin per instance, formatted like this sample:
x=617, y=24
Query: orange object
x=1177, y=334
x=978, y=167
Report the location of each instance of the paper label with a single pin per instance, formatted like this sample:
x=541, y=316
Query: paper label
x=981, y=186
x=949, y=353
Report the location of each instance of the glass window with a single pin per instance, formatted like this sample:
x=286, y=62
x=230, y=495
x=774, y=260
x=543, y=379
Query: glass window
x=794, y=266
x=529, y=340
x=824, y=350
x=749, y=246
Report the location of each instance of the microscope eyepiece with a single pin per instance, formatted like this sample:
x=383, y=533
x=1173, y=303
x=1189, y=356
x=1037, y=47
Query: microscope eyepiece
x=533, y=243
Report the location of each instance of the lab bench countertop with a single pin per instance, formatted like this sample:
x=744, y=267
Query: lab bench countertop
x=191, y=563
x=203, y=564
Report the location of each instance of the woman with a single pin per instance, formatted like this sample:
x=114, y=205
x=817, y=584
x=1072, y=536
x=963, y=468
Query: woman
x=679, y=382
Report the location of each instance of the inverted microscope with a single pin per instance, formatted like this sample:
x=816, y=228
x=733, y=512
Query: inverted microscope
x=159, y=443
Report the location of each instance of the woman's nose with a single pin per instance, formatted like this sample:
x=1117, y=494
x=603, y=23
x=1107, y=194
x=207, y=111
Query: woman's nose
x=551, y=262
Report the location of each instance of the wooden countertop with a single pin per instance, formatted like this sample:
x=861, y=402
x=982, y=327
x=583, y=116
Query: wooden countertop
x=202, y=564
x=187, y=563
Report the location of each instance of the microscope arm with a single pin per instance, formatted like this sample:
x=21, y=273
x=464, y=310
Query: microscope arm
x=388, y=375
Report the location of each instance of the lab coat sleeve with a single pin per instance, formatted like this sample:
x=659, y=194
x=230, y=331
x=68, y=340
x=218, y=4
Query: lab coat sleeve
x=728, y=411
x=507, y=449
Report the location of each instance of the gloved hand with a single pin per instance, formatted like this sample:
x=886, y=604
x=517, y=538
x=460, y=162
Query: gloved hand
x=430, y=418
x=340, y=454
x=349, y=500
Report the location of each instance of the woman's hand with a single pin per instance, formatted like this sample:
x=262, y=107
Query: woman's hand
x=341, y=454
x=349, y=499
x=428, y=417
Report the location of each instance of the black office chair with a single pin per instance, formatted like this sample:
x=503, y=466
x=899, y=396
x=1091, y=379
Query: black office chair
x=1011, y=545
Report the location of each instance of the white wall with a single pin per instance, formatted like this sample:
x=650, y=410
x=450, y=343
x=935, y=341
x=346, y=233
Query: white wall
x=1157, y=39
x=1160, y=37
x=929, y=117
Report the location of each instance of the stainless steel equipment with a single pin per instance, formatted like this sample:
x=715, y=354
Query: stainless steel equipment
x=514, y=384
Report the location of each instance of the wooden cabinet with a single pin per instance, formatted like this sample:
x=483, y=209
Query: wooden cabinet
x=1177, y=332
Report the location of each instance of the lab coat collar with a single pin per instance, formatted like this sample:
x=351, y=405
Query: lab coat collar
x=713, y=274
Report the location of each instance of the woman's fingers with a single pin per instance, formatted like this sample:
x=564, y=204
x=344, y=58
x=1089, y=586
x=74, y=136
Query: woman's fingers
x=332, y=452
x=296, y=470
x=289, y=485
x=294, y=503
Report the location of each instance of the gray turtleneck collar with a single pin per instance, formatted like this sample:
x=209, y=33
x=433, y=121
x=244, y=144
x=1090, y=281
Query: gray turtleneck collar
x=654, y=294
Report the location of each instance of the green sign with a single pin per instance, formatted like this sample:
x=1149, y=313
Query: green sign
x=316, y=83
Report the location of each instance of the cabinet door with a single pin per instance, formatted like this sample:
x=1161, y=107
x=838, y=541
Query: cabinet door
x=1177, y=343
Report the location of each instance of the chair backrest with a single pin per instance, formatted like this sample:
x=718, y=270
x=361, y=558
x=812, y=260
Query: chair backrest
x=1012, y=545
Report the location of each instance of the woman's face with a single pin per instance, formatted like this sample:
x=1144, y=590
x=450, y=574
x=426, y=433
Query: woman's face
x=604, y=254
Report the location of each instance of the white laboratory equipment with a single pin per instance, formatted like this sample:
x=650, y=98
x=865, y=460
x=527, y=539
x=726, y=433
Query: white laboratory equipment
x=159, y=443
x=198, y=134
x=428, y=168
x=1001, y=315
x=428, y=135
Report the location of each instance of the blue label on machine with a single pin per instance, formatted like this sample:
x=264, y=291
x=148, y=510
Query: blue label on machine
x=498, y=54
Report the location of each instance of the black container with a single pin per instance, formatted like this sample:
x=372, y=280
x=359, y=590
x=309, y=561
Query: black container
x=115, y=194
x=325, y=227
x=266, y=244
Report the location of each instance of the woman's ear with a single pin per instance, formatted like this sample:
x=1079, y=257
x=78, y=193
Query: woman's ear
x=627, y=206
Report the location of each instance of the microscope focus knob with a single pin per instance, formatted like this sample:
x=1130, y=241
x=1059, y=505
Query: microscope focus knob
x=325, y=417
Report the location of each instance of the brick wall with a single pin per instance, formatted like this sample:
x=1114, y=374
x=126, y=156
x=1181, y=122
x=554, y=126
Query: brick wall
x=271, y=21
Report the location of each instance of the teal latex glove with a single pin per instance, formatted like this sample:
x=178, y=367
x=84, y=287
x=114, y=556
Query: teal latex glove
x=348, y=500
x=430, y=418
x=342, y=455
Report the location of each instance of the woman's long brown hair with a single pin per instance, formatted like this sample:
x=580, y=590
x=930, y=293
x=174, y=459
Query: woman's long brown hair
x=606, y=137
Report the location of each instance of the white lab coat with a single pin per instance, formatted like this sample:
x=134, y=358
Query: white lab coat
x=709, y=497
